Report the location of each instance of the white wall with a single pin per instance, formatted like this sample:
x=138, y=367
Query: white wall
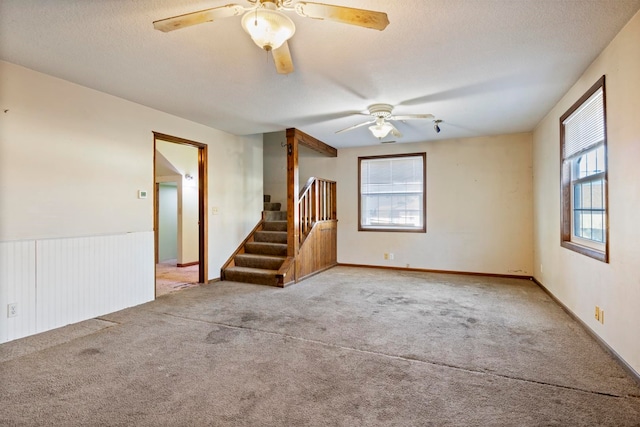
x=184, y=158
x=17, y=286
x=580, y=282
x=167, y=221
x=72, y=160
x=54, y=282
x=479, y=208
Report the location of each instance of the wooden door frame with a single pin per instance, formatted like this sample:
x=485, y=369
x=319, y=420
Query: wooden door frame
x=203, y=246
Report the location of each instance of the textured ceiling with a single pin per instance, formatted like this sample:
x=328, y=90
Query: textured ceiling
x=484, y=67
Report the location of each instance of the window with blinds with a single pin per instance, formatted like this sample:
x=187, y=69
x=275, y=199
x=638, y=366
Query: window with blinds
x=392, y=193
x=584, y=128
x=584, y=175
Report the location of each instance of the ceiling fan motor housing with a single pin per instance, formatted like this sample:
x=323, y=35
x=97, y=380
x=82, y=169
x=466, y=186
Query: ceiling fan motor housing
x=381, y=110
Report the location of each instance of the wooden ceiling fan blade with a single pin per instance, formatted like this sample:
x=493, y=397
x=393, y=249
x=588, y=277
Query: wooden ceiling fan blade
x=356, y=126
x=200, y=17
x=413, y=117
x=395, y=132
x=346, y=15
x=282, y=58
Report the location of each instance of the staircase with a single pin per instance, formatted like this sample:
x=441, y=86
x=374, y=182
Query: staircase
x=275, y=254
x=264, y=252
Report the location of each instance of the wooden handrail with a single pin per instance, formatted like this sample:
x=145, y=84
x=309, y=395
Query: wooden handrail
x=306, y=210
x=316, y=202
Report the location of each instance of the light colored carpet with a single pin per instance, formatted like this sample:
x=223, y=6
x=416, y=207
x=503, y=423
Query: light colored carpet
x=171, y=278
x=348, y=347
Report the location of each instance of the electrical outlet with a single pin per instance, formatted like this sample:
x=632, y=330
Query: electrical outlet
x=390, y=256
x=386, y=256
x=597, y=313
x=12, y=310
x=602, y=316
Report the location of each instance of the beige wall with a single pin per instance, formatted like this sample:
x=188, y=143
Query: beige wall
x=72, y=160
x=275, y=167
x=479, y=211
x=580, y=282
x=313, y=164
x=310, y=163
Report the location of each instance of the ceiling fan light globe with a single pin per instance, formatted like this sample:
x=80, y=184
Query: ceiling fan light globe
x=380, y=130
x=269, y=29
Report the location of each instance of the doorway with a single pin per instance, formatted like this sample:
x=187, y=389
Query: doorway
x=180, y=226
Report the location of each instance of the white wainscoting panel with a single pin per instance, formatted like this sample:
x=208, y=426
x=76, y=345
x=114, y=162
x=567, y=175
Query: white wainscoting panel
x=17, y=286
x=81, y=278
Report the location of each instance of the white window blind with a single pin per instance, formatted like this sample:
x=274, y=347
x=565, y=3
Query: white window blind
x=585, y=127
x=392, y=192
x=392, y=175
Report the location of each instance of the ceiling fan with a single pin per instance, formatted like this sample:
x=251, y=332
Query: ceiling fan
x=382, y=117
x=270, y=29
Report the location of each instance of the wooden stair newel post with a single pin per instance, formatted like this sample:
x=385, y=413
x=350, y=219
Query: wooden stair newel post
x=293, y=187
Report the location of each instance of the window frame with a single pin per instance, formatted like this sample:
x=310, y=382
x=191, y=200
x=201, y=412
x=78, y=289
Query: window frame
x=423, y=228
x=568, y=239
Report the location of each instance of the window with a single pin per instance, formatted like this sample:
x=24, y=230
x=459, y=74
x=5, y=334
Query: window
x=392, y=193
x=583, y=138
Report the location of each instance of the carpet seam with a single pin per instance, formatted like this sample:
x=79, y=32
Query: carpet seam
x=408, y=359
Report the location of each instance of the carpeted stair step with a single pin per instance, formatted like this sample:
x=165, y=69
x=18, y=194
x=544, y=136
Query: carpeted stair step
x=251, y=275
x=263, y=257
x=275, y=215
x=275, y=226
x=263, y=248
x=268, y=206
x=265, y=262
x=271, y=236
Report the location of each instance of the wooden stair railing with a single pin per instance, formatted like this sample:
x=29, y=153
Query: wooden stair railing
x=312, y=225
x=317, y=228
x=317, y=202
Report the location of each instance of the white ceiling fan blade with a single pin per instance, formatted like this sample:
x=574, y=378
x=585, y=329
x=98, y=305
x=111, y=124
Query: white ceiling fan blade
x=346, y=15
x=356, y=126
x=395, y=132
x=282, y=58
x=200, y=17
x=412, y=117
